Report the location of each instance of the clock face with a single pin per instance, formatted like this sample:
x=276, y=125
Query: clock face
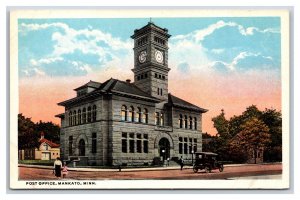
x=143, y=56
x=159, y=56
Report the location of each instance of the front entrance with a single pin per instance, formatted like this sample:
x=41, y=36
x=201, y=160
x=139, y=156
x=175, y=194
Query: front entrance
x=164, y=148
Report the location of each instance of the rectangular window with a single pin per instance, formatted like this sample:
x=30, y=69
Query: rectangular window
x=94, y=143
x=157, y=118
x=124, y=145
x=145, y=146
x=131, y=146
x=124, y=142
x=157, y=91
x=131, y=142
x=185, y=148
x=180, y=148
x=70, y=145
x=146, y=136
x=139, y=146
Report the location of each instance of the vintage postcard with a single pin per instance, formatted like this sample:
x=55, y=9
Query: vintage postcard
x=149, y=99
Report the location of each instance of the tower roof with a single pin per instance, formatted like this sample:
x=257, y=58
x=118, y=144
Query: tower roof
x=150, y=27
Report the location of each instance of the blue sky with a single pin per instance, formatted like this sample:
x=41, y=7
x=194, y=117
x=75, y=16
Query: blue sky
x=78, y=47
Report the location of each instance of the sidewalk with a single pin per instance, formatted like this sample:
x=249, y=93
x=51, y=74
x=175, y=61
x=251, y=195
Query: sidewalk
x=135, y=169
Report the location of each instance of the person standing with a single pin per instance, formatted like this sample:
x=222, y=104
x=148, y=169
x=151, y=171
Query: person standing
x=168, y=161
x=57, y=167
x=181, y=163
x=64, y=170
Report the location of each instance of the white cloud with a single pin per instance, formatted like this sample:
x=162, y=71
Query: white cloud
x=70, y=40
x=217, y=51
x=25, y=28
x=86, y=41
x=45, y=61
x=241, y=56
x=33, y=71
x=199, y=35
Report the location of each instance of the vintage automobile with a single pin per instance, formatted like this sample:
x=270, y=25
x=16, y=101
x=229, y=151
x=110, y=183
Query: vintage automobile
x=207, y=161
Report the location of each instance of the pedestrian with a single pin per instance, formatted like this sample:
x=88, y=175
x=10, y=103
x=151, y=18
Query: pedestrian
x=64, y=170
x=181, y=162
x=57, y=167
x=168, y=161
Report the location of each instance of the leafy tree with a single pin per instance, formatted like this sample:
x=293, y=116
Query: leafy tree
x=254, y=135
x=222, y=125
x=229, y=130
x=273, y=120
x=27, y=133
x=51, y=131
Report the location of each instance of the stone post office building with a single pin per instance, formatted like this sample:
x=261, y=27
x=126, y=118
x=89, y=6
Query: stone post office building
x=132, y=123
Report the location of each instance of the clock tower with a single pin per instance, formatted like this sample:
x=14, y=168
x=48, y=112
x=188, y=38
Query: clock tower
x=151, y=60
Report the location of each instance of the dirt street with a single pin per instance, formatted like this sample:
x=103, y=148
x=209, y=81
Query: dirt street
x=26, y=173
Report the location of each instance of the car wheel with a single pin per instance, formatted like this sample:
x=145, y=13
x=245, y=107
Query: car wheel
x=195, y=169
x=207, y=170
x=221, y=168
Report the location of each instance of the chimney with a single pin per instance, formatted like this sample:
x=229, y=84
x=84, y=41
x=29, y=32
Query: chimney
x=42, y=135
x=128, y=80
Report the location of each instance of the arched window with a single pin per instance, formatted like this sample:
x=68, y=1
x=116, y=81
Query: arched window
x=74, y=118
x=94, y=115
x=185, y=122
x=138, y=115
x=79, y=116
x=89, y=118
x=145, y=116
x=83, y=115
x=124, y=113
x=131, y=114
x=180, y=121
x=70, y=118
x=162, y=120
x=191, y=123
x=195, y=123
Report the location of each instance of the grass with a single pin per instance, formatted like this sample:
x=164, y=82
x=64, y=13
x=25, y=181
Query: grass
x=37, y=162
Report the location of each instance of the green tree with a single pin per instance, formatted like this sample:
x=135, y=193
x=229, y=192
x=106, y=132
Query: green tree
x=51, y=131
x=222, y=125
x=273, y=120
x=27, y=134
x=225, y=143
x=254, y=135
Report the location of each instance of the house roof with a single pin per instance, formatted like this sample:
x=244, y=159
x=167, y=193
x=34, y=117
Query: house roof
x=177, y=102
x=51, y=144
